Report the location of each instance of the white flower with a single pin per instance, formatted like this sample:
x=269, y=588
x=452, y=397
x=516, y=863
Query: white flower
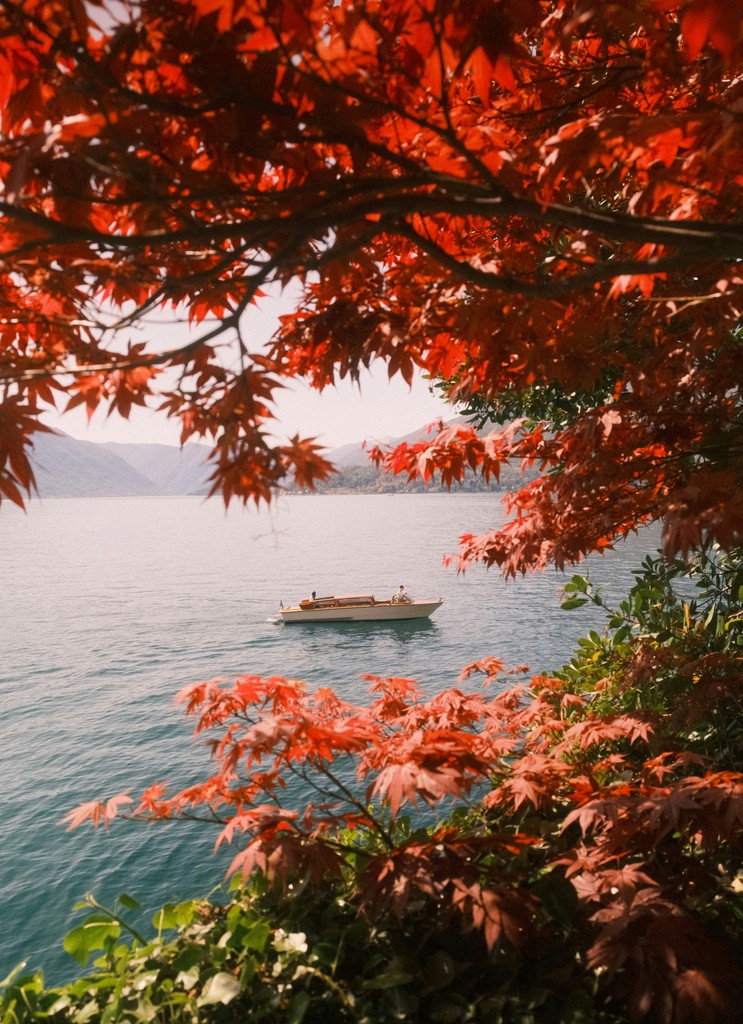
x=291, y=942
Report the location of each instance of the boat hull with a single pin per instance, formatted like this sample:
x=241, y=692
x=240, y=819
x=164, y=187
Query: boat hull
x=383, y=611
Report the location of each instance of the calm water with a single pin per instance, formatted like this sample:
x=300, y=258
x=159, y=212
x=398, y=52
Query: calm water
x=109, y=606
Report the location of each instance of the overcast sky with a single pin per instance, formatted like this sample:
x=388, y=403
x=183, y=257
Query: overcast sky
x=340, y=415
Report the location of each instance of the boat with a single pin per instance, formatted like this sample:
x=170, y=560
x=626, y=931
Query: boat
x=358, y=608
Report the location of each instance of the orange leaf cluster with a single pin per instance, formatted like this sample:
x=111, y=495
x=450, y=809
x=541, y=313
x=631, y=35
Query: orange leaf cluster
x=635, y=848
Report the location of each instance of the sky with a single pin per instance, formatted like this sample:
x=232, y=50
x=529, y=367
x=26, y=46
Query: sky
x=344, y=414
x=340, y=415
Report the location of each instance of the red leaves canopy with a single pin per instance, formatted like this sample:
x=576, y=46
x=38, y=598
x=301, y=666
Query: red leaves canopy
x=504, y=194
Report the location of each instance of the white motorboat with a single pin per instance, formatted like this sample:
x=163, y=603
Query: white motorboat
x=358, y=608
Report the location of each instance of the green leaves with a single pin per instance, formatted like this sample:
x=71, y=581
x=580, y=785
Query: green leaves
x=97, y=933
x=578, y=592
x=548, y=402
x=175, y=915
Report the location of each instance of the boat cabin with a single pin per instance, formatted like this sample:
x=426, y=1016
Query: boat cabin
x=353, y=601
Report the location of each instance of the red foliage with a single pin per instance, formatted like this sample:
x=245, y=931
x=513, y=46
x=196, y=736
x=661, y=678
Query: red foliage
x=506, y=195
x=641, y=856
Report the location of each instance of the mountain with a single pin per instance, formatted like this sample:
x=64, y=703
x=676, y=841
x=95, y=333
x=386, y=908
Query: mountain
x=357, y=475
x=174, y=470
x=68, y=468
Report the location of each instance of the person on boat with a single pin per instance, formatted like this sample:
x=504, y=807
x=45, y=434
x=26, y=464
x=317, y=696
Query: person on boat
x=402, y=596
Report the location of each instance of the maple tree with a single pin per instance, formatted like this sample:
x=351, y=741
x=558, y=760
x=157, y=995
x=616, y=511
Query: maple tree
x=507, y=195
x=535, y=202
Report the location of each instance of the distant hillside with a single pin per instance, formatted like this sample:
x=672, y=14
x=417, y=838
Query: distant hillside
x=67, y=468
x=367, y=479
x=174, y=470
x=356, y=474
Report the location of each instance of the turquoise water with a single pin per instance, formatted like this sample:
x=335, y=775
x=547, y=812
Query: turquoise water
x=109, y=606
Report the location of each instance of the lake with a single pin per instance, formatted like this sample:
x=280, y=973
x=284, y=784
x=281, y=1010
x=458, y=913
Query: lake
x=110, y=606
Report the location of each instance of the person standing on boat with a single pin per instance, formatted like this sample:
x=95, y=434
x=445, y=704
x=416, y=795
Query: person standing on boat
x=402, y=596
